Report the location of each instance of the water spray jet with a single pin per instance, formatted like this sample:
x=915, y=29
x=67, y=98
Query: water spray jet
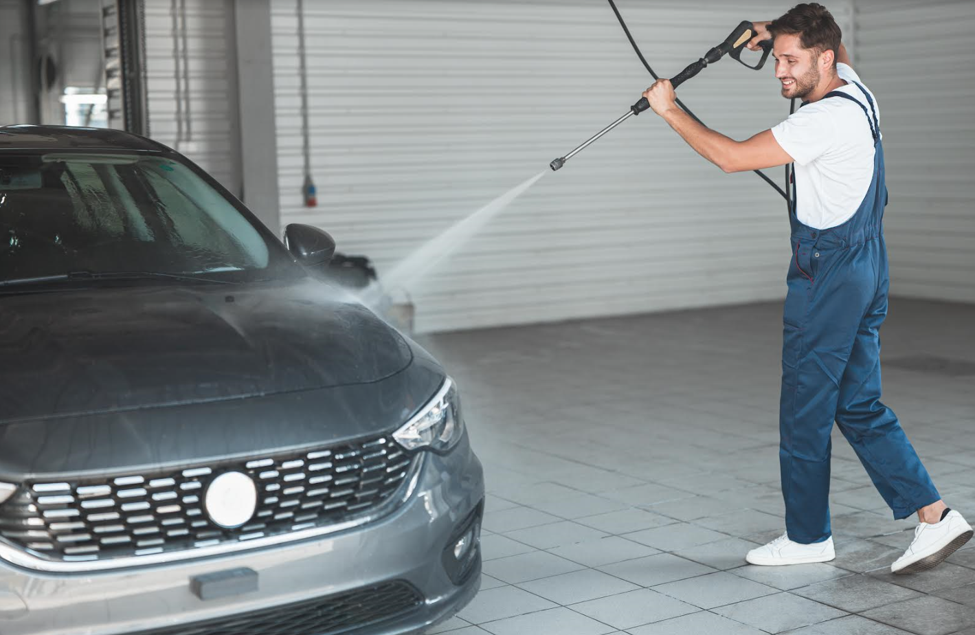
x=443, y=245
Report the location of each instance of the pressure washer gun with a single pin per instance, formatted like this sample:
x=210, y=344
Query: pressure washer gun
x=732, y=46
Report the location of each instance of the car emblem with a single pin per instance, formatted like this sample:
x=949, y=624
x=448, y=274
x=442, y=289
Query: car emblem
x=231, y=499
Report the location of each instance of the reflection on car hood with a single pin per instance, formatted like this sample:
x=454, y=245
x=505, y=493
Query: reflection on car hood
x=101, y=350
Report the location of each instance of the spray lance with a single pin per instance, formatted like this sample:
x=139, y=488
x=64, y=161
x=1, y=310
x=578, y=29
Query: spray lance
x=733, y=46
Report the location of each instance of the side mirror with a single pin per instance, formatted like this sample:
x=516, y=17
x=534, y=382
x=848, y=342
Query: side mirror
x=311, y=247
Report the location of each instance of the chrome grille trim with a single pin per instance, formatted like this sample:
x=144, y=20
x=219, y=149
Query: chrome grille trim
x=45, y=488
x=297, y=510
x=93, y=490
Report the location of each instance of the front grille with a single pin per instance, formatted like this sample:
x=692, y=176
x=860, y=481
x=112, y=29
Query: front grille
x=323, y=616
x=144, y=514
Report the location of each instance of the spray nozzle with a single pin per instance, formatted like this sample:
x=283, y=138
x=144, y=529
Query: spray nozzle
x=556, y=164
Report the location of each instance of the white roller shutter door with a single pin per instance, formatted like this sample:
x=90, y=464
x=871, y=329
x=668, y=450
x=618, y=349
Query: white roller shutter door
x=916, y=57
x=191, y=83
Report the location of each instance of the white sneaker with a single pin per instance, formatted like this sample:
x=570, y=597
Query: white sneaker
x=933, y=543
x=783, y=551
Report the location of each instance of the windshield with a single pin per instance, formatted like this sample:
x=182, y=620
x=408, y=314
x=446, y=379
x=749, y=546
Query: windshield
x=103, y=214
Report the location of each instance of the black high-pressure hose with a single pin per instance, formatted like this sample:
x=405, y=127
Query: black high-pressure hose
x=636, y=48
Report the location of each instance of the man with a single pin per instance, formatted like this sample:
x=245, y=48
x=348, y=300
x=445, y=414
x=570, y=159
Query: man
x=837, y=292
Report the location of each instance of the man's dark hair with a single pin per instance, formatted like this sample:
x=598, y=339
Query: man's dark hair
x=813, y=24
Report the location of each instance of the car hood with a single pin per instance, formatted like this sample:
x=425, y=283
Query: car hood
x=102, y=350
x=154, y=440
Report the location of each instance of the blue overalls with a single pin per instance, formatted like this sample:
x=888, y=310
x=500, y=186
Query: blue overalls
x=837, y=300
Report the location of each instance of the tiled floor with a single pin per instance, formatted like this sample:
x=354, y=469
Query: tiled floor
x=632, y=462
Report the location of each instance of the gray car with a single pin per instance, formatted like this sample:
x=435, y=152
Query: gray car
x=198, y=433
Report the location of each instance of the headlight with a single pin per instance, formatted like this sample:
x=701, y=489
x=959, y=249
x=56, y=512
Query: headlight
x=437, y=426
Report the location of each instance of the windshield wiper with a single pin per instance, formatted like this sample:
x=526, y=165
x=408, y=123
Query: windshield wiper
x=108, y=275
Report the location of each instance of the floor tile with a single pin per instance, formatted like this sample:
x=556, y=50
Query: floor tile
x=925, y=616
x=867, y=525
x=628, y=610
x=493, y=503
x=581, y=506
x=675, y=537
x=963, y=595
x=964, y=556
x=722, y=554
x=746, y=525
x=596, y=553
x=500, y=603
x=860, y=555
x=856, y=594
x=560, y=620
x=778, y=613
x=849, y=625
x=517, y=518
x=453, y=624
x=708, y=483
x=944, y=576
x=791, y=577
x=487, y=582
x=654, y=570
x=498, y=546
x=715, y=589
x=578, y=586
x=689, y=509
x=647, y=495
x=701, y=623
x=599, y=481
x=529, y=566
x=555, y=535
x=626, y=521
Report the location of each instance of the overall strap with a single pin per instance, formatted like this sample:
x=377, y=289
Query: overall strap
x=873, y=109
x=874, y=125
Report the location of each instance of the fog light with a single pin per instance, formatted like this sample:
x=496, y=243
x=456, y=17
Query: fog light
x=463, y=545
x=461, y=557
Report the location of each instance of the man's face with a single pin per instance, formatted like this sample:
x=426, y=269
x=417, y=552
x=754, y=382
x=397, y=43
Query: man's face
x=795, y=67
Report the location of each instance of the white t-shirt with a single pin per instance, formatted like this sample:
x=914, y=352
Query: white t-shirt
x=832, y=145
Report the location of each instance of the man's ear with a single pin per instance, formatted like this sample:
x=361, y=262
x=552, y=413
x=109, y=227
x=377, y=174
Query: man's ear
x=826, y=59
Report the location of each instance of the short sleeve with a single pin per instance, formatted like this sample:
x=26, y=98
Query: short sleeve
x=846, y=72
x=806, y=134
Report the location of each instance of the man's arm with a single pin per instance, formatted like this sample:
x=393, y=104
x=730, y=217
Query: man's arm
x=843, y=57
x=761, y=151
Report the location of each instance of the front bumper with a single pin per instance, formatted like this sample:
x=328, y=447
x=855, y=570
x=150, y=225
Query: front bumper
x=407, y=546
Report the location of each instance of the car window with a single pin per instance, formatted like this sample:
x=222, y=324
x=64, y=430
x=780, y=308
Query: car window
x=68, y=212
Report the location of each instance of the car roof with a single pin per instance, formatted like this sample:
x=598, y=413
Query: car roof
x=29, y=137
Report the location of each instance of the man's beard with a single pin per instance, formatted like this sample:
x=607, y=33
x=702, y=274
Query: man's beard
x=804, y=85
